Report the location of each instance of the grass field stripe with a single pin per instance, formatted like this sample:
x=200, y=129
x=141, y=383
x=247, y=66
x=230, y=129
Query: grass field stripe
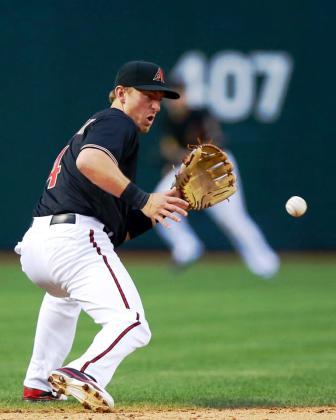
x=94, y=244
x=253, y=344
x=115, y=342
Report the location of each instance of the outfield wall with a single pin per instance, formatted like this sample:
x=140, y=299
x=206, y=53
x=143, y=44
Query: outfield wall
x=265, y=69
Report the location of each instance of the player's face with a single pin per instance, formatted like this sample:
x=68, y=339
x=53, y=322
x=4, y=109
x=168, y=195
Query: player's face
x=142, y=106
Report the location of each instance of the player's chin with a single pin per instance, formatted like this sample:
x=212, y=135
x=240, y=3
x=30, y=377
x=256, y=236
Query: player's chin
x=145, y=128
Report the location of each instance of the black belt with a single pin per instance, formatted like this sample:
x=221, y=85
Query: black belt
x=71, y=218
x=63, y=218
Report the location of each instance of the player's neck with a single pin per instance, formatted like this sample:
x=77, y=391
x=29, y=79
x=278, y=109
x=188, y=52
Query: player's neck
x=118, y=105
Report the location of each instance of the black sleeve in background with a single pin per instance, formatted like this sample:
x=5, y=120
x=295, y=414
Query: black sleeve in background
x=137, y=223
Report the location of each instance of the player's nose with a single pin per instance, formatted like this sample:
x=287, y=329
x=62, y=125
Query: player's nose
x=156, y=105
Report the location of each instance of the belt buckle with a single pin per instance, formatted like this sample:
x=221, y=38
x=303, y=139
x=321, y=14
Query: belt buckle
x=63, y=218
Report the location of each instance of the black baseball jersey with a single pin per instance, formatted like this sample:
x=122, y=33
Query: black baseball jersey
x=197, y=123
x=68, y=191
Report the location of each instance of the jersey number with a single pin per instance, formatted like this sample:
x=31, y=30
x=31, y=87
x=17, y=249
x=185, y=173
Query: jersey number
x=56, y=169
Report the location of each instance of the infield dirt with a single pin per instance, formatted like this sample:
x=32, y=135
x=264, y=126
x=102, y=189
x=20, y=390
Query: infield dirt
x=305, y=413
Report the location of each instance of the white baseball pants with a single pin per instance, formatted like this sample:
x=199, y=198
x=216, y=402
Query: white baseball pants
x=77, y=266
x=234, y=221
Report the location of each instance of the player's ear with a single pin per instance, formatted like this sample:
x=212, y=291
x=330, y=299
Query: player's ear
x=120, y=93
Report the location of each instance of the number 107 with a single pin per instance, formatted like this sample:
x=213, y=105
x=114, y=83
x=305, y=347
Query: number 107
x=234, y=85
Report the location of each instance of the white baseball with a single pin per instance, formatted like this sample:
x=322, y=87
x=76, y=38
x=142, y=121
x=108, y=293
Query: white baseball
x=296, y=206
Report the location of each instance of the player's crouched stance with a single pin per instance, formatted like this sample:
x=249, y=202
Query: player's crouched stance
x=89, y=206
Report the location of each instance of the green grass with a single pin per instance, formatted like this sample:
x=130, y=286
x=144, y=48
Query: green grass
x=221, y=337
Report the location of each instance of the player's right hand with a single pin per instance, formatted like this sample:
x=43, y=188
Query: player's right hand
x=164, y=204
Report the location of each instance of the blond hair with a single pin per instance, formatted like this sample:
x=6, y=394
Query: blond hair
x=112, y=96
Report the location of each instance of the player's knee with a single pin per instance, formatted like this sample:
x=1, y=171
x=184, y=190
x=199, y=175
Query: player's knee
x=145, y=335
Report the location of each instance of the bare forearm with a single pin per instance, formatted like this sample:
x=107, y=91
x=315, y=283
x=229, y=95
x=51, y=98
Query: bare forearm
x=103, y=172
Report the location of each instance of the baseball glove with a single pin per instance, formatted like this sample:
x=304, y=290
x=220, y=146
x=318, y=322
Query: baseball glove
x=205, y=177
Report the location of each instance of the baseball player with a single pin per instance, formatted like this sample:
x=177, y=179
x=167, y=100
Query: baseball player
x=90, y=205
x=182, y=126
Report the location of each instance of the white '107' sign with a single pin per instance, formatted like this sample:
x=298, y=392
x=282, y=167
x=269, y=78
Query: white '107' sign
x=235, y=86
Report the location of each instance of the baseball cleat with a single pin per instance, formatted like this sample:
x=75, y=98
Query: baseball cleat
x=69, y=381
x=38, y=395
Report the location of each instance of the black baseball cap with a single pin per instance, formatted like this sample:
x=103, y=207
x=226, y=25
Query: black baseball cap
x=144, y=75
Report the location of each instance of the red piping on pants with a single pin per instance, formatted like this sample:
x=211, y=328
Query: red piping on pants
x=115, y=342
x=94, y=244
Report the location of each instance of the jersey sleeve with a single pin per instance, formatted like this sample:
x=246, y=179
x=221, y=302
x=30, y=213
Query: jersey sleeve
x=137, y=223
x=110, y=135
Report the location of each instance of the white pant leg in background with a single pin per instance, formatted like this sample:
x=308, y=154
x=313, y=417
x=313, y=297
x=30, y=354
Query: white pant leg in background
x=77, y=261
x=233, y=219
x=183, y=242
x=55, y=332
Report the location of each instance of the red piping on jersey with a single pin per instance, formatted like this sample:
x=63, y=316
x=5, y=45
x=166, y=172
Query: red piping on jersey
x=94, y=244
x=115, y=342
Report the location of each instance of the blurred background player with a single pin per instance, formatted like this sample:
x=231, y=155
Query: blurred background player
x=183, y=125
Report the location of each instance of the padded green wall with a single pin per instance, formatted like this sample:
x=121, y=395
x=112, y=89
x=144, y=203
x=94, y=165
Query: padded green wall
x=58, y=60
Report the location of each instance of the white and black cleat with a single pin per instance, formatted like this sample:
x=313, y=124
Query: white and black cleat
x=69, y=381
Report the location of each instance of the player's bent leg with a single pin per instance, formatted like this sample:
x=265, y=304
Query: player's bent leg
x=106, y=292
x=116, y=340
x=54, y=336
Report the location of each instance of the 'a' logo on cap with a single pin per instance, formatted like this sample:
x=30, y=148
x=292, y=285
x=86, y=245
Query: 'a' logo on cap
x=159, y=77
